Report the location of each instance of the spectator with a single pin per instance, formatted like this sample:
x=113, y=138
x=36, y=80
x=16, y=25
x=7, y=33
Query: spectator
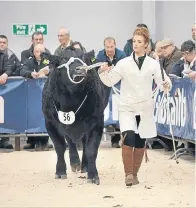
x=186, y=66
x=151, y=53
x=15, y=66
x=194, y=32
x=12, y=58
x=158, y=49
x=37, y=37
x=171, y=54
x=5, y=68
x=5, y=71
x=111, y=55
x=128, y=48
x=30, y=69
x=65, y=42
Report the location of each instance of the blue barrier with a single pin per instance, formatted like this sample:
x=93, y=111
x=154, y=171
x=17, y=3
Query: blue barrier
x=20, y=108
x=182, y=110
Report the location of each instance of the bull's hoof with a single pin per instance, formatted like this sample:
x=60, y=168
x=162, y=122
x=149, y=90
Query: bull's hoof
x=94, y=181
x=84, y=170
x=75, y=168
x=60, y=176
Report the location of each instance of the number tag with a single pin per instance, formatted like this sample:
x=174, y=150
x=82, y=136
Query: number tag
x=66, y=118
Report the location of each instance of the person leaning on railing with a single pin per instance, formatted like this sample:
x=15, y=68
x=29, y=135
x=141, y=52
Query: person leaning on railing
x=5, y=71
x=31, y=69
x=185, y=67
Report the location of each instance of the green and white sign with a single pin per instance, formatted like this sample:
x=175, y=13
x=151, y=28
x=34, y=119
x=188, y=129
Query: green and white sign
x=29, y=29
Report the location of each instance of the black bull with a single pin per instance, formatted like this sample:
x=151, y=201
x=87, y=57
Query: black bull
x=60, y=94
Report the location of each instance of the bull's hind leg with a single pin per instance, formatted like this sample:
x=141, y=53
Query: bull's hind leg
x=73, y=155
x=92, y=145
x=60, y=147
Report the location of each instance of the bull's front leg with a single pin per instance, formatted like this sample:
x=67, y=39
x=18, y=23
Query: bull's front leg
x=60, y=147
x=91, y=150
x=73, y=155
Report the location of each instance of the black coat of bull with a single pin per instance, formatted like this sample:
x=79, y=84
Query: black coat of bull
x=60, y=93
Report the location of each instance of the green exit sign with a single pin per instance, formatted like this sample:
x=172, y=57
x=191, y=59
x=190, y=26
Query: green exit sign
x=29, y=29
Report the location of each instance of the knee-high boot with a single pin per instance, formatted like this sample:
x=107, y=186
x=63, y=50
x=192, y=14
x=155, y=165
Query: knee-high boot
x=127, y=156
x=137, y=160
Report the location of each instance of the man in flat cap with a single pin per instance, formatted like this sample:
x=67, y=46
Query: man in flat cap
x=171, y=54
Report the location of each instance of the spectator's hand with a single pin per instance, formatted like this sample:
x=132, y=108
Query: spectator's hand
x=155, y=56
x=192, y=75
x=3, y=78
x=34, y=74
x=44, y=71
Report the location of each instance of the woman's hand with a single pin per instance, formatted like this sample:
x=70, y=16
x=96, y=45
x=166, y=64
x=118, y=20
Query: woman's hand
x=104, y=68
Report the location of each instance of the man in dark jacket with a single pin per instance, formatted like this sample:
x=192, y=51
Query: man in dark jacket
x=65, y=42
x=171, y=54
x=30, y=69
x=186, y=65
x=37, y=37
x=128, y=48
x=111, y=55
x=5, y=68
x=5, y=71
x=13, y=60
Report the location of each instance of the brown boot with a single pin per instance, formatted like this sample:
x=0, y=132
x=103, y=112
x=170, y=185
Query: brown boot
x=127, y=156
x=137, y=158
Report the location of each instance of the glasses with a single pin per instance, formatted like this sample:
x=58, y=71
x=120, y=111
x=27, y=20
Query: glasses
x=60, y=36
x=165, y=47
x=185, y=53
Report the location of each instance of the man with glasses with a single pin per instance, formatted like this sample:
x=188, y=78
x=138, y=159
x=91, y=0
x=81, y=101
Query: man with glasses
x=37, y=37
x=171, y=54
x=64, y=39
x=65, y=42
x=186, y=66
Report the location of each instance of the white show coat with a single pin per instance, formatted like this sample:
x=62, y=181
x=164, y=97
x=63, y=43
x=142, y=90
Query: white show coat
x=136, y=93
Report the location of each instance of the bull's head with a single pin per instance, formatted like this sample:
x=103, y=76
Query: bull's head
x=74, y=69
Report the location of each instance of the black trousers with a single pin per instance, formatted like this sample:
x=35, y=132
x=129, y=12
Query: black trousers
x=132, y=139
x=116, y=137
x=33, y=140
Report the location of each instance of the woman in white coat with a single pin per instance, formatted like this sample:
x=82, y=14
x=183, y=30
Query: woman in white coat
x=136, y=108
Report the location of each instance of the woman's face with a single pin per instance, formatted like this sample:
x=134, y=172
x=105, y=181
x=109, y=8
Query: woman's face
x=139, y=44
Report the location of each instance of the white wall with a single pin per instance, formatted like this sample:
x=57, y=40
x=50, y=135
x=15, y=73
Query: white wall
x=90, y=22
x=174, y=19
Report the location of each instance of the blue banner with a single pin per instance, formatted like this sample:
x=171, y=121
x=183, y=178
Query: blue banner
x=179, y=108
x=35, y=117
x=21, y=108
x=13, y=106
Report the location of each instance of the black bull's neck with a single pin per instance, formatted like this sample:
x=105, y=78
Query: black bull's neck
x=70, y=97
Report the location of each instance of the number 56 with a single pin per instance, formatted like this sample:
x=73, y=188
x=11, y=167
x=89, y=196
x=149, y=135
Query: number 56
x=66, y=117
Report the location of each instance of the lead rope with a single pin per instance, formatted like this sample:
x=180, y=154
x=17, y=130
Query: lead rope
x=146, y=169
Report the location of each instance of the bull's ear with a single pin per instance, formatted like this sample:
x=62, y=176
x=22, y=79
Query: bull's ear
x=45, y=55
x=89, y=57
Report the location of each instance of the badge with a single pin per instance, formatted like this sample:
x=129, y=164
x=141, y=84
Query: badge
x=66, y=117
x=46, y=61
